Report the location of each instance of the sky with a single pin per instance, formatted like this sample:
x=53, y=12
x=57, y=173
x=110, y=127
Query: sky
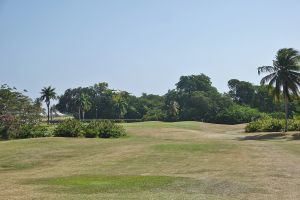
x=140, y=45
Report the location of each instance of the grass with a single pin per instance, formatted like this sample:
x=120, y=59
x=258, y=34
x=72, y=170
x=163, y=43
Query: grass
x=182, y=160
x=154, y=124
x=88, y=184
x=193, y=147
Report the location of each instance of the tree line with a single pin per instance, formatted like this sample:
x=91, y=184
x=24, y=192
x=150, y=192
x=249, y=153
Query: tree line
x=193, y=98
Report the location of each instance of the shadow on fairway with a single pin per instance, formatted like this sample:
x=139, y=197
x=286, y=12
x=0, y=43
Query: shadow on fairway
x=264, y=136
x=296, y=136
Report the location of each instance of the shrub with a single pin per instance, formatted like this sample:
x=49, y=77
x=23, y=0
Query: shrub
x=14, y=128
x=104, y=129
x=41, y=131
x=92, y=130
x=69, y=128
x=277, y=115
x=32, y=131
x=9, y=126
x=109, y=129
x=294, y=125
x=24, y=131
x=269, y=124
x=101, y=129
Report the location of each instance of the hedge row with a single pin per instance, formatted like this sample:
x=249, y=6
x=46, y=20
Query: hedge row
x=101, y=129
x=269, y=124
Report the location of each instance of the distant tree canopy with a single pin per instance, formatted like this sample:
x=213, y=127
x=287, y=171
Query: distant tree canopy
x=108, y=103
x=255, y=96
x=194, y=98
x=198, y=99
x=193, y=83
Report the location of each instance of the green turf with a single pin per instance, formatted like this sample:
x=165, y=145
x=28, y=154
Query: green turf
x=106, y=184
x=194, y=147
x=192, y=125
x=183, y=160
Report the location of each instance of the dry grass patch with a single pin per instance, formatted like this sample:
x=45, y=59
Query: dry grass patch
x=157, y=161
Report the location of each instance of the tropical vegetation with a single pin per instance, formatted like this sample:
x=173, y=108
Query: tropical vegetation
x=284, y=77
x=194, y=98
x=47, y=94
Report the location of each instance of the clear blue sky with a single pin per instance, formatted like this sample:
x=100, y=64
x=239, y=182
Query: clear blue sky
x=140, y=45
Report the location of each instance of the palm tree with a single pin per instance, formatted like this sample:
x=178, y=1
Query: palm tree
x=84, y=104
x=284, y=77
x=120, y=103
x=48, y=93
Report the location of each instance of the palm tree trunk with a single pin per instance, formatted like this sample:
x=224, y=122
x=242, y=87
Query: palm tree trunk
x=83, y=115
x=286, y=102
x=79, y=113
x=48, y=113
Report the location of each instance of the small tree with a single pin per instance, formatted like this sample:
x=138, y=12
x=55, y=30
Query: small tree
x=48, y=93
x=283, y=77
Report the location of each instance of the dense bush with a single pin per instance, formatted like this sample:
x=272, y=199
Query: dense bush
x=266, y=124
x=9, y=126
x=104, y=129
x=277, y=115
x=69, y=128
x=33, y=131
x=269, y=124
x=109, y=129
x=91, y=131
x=294, y=125
x=237, y=114
x=13, y=128
x=101, y=129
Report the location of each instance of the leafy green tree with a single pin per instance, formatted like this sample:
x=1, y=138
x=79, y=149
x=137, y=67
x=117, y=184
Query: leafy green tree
x=150, y=106
x=193, y=83
x=237, y=114
x=263, y=100
x=48, y=93
x=284, y=77
x=100, y=97
x=16, y=110
x=241, y=92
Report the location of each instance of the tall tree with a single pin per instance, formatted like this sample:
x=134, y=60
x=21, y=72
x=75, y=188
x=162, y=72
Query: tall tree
x=84, y=104
x=241, y=92
x=120, y=103
x=48, y=93
x=283, y=77
x=193, y=83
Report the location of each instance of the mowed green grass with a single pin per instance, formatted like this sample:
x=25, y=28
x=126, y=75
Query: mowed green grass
x=191, y=125
x=182, y=160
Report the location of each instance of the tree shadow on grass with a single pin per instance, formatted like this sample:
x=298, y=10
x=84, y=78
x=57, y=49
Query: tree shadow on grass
x=264, y=136
x=296, y=136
